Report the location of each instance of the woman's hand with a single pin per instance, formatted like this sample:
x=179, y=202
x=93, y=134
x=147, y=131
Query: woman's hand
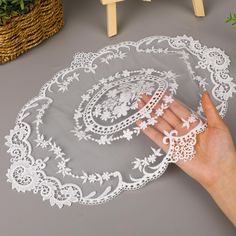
x=214, y=165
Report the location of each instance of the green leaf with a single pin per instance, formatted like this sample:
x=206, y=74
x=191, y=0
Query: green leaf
x=231, y=18
x=11, y=8
x=22, y=4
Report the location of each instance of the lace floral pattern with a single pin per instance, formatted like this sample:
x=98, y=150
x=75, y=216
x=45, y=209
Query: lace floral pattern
x=121, y=97
x=111, y=100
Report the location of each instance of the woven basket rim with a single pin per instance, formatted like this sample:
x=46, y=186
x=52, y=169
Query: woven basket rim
x=26, y=31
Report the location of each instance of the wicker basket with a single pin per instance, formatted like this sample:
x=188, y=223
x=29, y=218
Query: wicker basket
x=27, y=31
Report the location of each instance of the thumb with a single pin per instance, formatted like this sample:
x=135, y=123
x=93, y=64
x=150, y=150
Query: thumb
x=210, y=110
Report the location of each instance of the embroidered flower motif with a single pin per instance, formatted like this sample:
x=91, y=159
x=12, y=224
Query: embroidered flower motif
x=126, y=73
x=168, y=99
x=152, y=158
x=85, y=97
x=112, y=93
x=63, y=169
x=192, y=119
x=95, y=86
x=122, y=99
x=159, y=112
x=173, y=87
x=170, y=74
x=63, y=86
x=157, y=152
x=78, y=114
x=106, y=176
x=105, y=115
x=42, y=142
x=142, y=164
x=121, y=110
x=143, y=125
x=104, y=140
x=80, y=134
x=202, y=81
x=152, y=121
x=92, y=178
x=127, y=134
x=149, y=71
x=185, y=55
x=98, y=110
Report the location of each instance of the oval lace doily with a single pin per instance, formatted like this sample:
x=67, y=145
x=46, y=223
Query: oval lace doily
x=80, y=139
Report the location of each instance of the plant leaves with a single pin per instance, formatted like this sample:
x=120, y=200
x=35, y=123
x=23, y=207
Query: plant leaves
x=231, y=18
x=12, y=8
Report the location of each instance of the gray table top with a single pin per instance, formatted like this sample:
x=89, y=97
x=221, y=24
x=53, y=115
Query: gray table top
x=175, y=204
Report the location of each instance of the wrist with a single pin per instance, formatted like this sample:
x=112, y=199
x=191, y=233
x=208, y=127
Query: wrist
x=220, y=175
x=226, y=180
x=223, y=191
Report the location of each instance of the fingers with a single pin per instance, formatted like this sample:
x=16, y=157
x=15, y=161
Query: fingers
x=172, y=116
x=172, y=119
x=175, y=117
x=180, y=117
x=168, y=115
x=176, y=107
x=147, y=98
x=179, y=109
x=210, y=111
x=154, y=135
x=161, y=125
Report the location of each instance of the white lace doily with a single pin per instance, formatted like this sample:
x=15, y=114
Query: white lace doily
x=79, y=139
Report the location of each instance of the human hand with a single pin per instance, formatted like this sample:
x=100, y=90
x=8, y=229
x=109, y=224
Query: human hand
x=214, y=164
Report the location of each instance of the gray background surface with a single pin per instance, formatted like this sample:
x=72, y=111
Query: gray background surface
x=173, y=205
